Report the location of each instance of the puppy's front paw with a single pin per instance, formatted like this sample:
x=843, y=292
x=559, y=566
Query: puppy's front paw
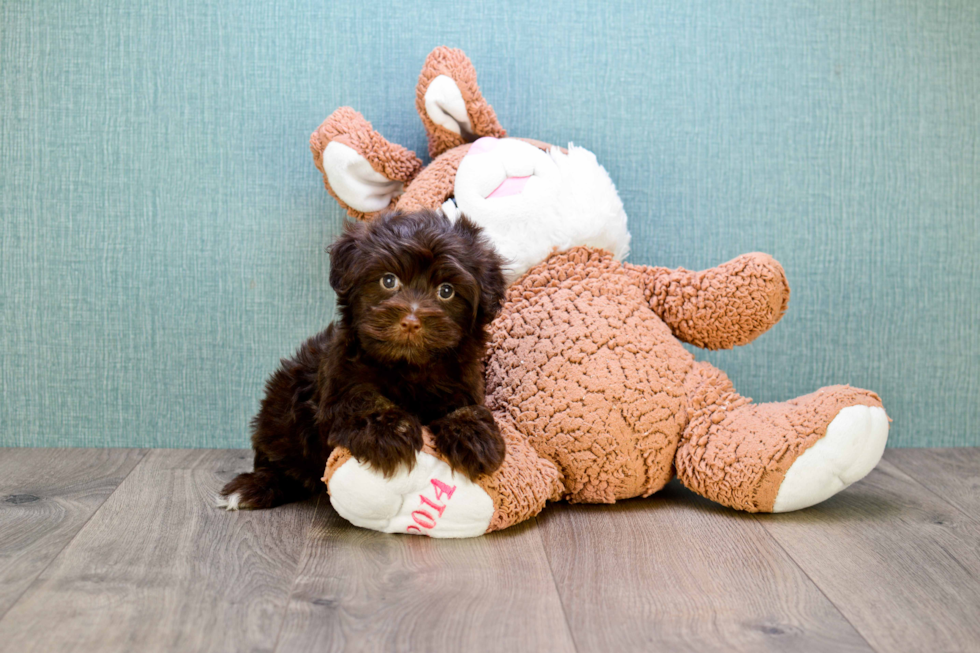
x=470, y=440
x=390, y=439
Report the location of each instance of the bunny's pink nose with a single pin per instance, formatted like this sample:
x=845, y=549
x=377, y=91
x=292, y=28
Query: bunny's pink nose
x=483, y=145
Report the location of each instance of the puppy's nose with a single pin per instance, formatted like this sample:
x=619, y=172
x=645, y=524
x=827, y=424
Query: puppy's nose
x=411, y=324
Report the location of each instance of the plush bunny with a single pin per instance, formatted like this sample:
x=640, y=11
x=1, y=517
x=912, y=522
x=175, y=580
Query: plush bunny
x=586, y=375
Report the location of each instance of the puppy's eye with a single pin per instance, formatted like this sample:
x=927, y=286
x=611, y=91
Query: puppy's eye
x=446, y=291
x=389, y=281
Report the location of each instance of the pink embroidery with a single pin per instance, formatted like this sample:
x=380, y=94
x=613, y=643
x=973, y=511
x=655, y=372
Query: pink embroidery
x=442, y=488
x=429, y=518
x=421, y=517
x=426, y=500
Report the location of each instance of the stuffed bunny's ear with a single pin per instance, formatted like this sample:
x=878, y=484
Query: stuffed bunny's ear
x=450, y=103
x=355, y=182
x=445, y=106
x=361, y=170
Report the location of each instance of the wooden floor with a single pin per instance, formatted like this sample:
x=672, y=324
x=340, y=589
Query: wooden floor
x=121, y=550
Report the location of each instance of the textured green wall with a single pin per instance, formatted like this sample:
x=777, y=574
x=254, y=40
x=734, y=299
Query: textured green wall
x=163, y=226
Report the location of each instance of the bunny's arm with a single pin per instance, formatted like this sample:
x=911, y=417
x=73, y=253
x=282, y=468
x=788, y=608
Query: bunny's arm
x=719, y=308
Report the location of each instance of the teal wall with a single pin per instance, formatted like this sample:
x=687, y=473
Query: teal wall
x=162, y=225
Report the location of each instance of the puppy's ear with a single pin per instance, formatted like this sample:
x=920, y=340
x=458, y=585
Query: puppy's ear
x=486, y=266
x=343, y=257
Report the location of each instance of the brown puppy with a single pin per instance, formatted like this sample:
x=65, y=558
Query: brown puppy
x=415, y=293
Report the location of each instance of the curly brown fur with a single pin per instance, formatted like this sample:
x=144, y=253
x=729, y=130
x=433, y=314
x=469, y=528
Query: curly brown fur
x=399, y=358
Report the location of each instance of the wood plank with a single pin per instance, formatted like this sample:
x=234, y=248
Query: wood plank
x=46, y=496
x=901, y=564
x=953, y=474
x=678, y=573
x=358, y=590
x=158, y=568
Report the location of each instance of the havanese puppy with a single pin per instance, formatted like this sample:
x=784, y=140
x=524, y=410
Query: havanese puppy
x=415, y=292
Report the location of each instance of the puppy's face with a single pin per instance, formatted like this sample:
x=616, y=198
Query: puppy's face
x=413, y=285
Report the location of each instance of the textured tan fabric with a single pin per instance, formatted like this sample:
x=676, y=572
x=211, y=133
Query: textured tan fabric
x=350, y=128
x=434, y=185
x=737, y=453
x=523, y=484
x=598, y=383
x=483, y=120
x=590, y=375
x=720, y=308
x=336, y=460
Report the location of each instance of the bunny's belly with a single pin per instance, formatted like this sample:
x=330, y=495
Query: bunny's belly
x=593, y=378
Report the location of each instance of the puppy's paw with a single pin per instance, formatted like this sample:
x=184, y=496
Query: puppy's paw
x=251, y=491
x=230, y=503
x=390, y=440
x=470, y=440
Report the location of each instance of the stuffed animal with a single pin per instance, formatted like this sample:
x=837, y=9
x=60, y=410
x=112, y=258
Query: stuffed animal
x=586, y=376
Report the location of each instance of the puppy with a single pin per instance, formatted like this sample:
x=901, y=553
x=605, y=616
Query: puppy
x=415, y=293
